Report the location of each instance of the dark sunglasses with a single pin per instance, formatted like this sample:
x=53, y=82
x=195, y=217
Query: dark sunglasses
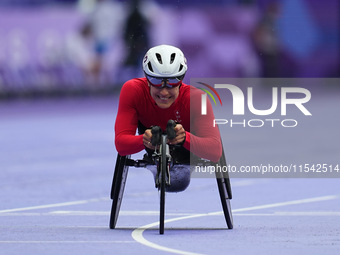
x=161, y=82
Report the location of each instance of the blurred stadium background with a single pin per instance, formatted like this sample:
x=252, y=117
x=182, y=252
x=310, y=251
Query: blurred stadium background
x=47, y=47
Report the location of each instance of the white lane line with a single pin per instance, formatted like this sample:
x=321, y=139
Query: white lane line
x=293, y=202
x=137, y=234
x=63, y=242
x=121, y=213
x=282, y=214
x=153, y=213
x=91, y=213
x=52, y=205
x=307, y=214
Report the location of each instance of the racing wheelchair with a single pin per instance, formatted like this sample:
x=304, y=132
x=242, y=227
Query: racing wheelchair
x=163, y=160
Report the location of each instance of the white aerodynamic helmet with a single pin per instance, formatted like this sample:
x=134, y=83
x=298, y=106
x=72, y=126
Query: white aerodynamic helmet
x=165, y=61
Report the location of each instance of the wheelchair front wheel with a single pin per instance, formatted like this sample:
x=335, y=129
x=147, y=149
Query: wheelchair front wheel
x=163, y=164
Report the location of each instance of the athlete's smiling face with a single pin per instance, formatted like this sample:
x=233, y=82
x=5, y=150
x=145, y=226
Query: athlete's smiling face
x=164, y=97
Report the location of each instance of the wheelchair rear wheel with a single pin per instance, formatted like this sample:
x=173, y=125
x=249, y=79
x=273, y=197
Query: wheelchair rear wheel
x=224, y=188
x=118, y=185
x=225, y=200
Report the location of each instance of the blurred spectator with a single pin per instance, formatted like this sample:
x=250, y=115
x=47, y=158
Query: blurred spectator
x=104, y=23
x=136, y=38
x=266, y=41
x=80, y=52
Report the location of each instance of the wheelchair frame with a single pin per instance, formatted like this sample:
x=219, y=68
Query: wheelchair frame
x=120, y=176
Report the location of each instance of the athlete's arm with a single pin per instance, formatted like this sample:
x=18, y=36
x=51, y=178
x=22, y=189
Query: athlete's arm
x=126, y=140
x=204, y=139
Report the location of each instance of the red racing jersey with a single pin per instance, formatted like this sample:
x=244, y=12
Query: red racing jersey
x=137, y=105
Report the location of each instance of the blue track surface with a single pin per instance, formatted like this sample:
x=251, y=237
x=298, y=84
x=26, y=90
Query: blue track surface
x=57, y=159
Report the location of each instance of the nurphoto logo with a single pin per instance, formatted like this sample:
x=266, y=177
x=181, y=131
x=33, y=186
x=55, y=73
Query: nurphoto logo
x=302, y=96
